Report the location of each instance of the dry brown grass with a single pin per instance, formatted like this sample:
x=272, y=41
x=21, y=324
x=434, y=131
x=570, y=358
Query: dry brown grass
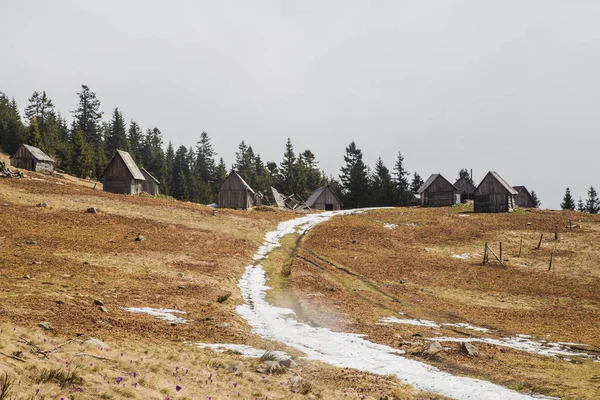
x=377, y=272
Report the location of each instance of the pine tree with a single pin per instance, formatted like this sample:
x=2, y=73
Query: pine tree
x=568, y=201
x=116, y=138
x=180, y=171
x=88, y=115
x=12, y=129
x=82, y=156
x=401, y=180
x=313, y=176
x=536, y=200
x=382, y=186
x=205, y=161
x=41, y=109
x=33, y=134
x=581, y=206
x=136, y=140
x=416, y=183
x=288, y=170
x=169, y=160
x=354, y=178
x=592, y=204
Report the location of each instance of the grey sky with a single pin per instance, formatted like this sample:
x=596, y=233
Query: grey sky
x=510, y=86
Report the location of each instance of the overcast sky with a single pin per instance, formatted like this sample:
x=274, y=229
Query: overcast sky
x=511, y=86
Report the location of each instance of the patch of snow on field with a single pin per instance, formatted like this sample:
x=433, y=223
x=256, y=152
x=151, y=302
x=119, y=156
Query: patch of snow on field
x=161, y=313
x=467, y=326
x=461, y=256
x=346, y=350
x=541, y=347
x=389, y=226
x=244, y=350
x=406, y=321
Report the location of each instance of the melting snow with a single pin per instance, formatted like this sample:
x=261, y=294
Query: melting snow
x=244, y=350
x=346, y=350
x=431, y=324
x=390, y=226
x=521, y=343
x=460, y=256
x=161, y=313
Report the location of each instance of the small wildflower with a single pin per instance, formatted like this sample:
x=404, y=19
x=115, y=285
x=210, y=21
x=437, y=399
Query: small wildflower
x=178, y=388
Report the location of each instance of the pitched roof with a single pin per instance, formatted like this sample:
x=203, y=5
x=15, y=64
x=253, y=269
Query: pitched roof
x=519, y=189
x=37, y=153
x=317, y=193
x=431, y=179
x=241, y=180
x=129, y=163
x=502, y=182
x=146, y=173
x=468, y=181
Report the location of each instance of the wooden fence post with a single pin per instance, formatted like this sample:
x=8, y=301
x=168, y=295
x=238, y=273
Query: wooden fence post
x=500, y=252
x=556, y=232
x=485, y=254
x=521, y=246
x=570, y=225
x=540, y=243
x=551, y=258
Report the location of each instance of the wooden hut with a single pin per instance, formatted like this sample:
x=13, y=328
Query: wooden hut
x=122, y=175
x=150, y=185
x=32, y=159
x=465, y=188
x=324, y=198
x=234, y=192
x=437, y=191
x=494, y=195
x=523, y=197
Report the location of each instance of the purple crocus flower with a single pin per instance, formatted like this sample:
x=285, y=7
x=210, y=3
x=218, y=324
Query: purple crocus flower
x=235, y=385
x=178, y=388
x=37, y=391
x=119, y=379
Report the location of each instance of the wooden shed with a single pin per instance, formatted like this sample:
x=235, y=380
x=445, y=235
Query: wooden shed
x=150, y=185
x=122, y=175
x=236, y=193
x=494, y=195
x=437, y=191
x=324, y=198
x=466, y=189
x=32, y=159
x=523, y=197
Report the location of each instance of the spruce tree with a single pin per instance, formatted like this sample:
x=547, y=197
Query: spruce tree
x=313, y=176
x=416, y=183
x=402, y=185
x=169, y=160
x=12, y=129
x=354, y=178
x=288, y=170
x=536, y=200
x=592, y=204
x=41, y=109
x=568, y=202
x=82, y=156
x=87, y=117
x=135, y=137
x=205, y=161
x=33, y=134
x=116, y=138
x=382, y=186
x=180, y=172
x=581, y=206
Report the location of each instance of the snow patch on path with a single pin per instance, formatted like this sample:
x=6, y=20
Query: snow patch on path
x=161, y=313
x=431, y=324
x=346, y=350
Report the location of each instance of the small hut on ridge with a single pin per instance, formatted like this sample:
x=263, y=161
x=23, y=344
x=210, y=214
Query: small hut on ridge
x=235, y=193
x=150, y=185
x=523, y=197
x=494, y=195
x=122, y=175
x=32, y=159
x=324, y=198
x=437, y=191
x=466, y=188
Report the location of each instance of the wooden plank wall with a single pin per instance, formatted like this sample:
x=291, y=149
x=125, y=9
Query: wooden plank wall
x=440, y=193
x=327, y=197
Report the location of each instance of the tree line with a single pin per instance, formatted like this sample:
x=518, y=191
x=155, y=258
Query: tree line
x=83, y=147
x=590, y=205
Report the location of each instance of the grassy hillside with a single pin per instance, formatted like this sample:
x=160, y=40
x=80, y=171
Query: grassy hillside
x=66, y=276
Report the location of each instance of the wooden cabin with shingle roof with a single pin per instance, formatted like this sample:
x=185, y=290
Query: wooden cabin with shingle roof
x=32, y=159
x=122, y=175
x=494, y=195
x=523, y=198
x=466, y=188
x=437, y=191
x=235, y=193
x=150, y=185
x=324, y=198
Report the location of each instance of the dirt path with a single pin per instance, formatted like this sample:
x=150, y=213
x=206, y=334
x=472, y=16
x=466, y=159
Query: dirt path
x=345, y=350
